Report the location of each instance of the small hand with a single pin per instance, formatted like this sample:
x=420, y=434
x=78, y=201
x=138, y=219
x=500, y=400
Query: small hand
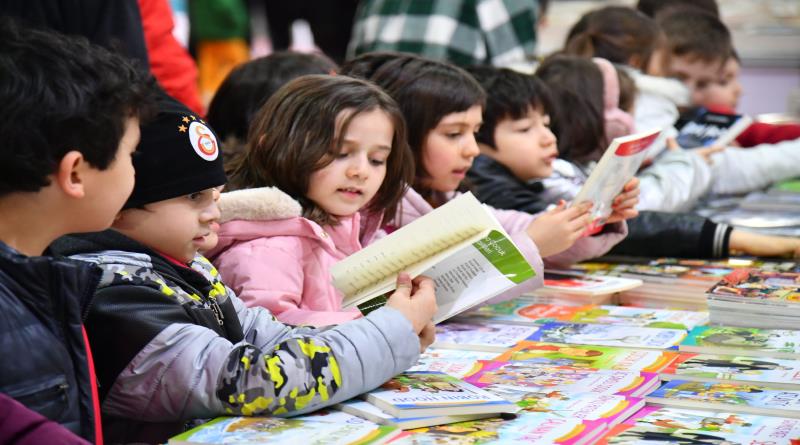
x=624, y=205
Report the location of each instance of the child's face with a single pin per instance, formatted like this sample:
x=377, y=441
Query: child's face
x=525, y=146
x=726, y=89
x=703, y=78
x=349, y=183
x=178, y=227
x=448, y=149
x=107, y=190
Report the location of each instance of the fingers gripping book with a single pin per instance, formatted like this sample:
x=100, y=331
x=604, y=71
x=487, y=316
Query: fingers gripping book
x=460, y=245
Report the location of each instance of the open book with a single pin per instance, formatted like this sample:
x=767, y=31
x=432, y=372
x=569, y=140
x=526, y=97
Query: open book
x=704, y=128
x=619, y=164
x=460, y=245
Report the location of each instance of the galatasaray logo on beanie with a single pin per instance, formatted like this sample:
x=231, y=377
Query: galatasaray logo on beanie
x=201, y=137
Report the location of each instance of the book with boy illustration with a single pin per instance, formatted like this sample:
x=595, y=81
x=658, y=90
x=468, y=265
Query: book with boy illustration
x=617, y=166
x=456, y=362
x=527, y=428
x=372, y=413
x=610, y=409
x=341, y=429
x=589, y=356
x=735, y=397
x=701, y=127
x=756, y=291
x=428, y=393
x=460, y=245
x=480, y=336
x=777, y=373
x=609, y=335
x=769, y=429
x=539, y=377
x=730, y=340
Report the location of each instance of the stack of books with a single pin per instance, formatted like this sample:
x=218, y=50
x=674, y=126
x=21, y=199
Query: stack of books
x=771, y=299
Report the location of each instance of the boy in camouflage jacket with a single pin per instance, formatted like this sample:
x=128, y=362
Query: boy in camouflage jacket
x=173, y=343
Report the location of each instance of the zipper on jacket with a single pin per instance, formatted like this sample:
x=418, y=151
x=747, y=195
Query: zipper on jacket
x=217, y=311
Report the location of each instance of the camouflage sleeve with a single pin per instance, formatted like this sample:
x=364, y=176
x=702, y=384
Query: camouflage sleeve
x=188, y=371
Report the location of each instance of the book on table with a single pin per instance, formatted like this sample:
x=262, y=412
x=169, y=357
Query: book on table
x=770, y=298
x=774, y=372
x=732, y=340
x=428, y=393
x=492, y=337
x=735, y=397
x=617, y=166
x=460, y=245
x=372, y=413
x=609, y=335
x=339, y=429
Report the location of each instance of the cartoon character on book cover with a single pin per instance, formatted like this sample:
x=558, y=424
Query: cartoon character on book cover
x=665, y=436
x=714, y=392
x=423, y=382
x=712, y=366
x=560, y=355
x=746, y=338
x=523, y=374
x=695, y=420
x=474, y=432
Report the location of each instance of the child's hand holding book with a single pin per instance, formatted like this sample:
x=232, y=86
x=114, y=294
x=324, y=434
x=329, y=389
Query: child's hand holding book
x=557, y=229
x=624, y=205
x=416, y=300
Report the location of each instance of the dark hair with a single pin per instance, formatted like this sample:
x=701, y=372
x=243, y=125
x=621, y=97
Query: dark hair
x=248, y=86
x=426, y=91
x=365, y=65
x=295, y=134
x=696, y=34
x=57, y=94
x=615, y=33
x=512, y=96
x=652, y=8
x=576, y=86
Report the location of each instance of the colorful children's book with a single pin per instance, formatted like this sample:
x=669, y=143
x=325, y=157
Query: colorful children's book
x=610, y=409
x=609, y=335
x=635, y=435
x=368, y=411
x=460, y=245
x=257, y=430
x=427, y=393
x=539, y=378
x=618, y=165
x=757, y=291
x=703, y=128
x=727, y=340
x=777, y=373
x=596, y=357
x=527, y=428
x=480, y=336
x=456, y=367
x=767, y=429
x=573, y=283
x=741, y=398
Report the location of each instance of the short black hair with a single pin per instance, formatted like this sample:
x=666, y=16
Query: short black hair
x=510, y=95
x=651, y=8
x=696, y=34
x=248, y=86
x=60, y=93
x=365, y=65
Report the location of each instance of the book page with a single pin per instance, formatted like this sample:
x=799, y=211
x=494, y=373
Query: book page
x=453, y=222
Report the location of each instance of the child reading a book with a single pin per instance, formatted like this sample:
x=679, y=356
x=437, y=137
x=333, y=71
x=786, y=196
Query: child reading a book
x=677, y=179
x=443, y=107
x=327, y=162
x=174, y=343
x=518, y=168
x=70, y=127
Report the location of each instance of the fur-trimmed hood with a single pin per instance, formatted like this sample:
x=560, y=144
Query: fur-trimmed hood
x=671, y=89
x=268, y=211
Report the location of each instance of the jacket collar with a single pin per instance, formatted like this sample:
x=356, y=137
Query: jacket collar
x=258, y=204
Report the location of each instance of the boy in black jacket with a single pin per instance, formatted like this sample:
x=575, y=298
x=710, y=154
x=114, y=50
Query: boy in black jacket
x=70, y=124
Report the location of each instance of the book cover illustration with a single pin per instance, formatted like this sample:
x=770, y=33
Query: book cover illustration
x=703, y=128
x=257, y=430
x=736, y=397
x=456, y=367
x=539, y=378
x=634, y=435
x=480, y=336
x=608, y=408
x=595, y=357
x=433, y=353
x=587, y=284
x=779, y=343
x=609, y=335
x=428, y=393
x=774, y=372
x=752, y=284
x=766, y=428
x=372, y=413
x=527, y=428
x=642, y=317
x=520, y=311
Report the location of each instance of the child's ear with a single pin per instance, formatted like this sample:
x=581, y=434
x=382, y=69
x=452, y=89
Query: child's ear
x=70, y=176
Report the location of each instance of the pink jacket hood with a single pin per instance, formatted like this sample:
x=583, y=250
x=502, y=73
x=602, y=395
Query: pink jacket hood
x=273, y=257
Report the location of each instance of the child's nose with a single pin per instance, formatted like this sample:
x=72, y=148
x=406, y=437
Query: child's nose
x=471, y=148
x=211, y=213
x=358, y=168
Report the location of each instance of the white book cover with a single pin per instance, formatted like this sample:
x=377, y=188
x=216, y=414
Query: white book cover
x=481, y=336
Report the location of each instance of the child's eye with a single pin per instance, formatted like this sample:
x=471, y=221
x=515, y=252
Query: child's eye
x=377, y=162
x=524, y=130
x=195, y=196
x=453, y=135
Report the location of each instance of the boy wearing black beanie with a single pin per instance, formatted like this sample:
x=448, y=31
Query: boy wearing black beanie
x=173, y=343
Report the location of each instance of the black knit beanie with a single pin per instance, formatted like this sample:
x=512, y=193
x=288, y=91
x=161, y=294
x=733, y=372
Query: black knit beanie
x=178, y=154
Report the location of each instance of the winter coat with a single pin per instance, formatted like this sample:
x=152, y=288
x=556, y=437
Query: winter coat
x=274, y=258
x=45, y=364
x=174, y=343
